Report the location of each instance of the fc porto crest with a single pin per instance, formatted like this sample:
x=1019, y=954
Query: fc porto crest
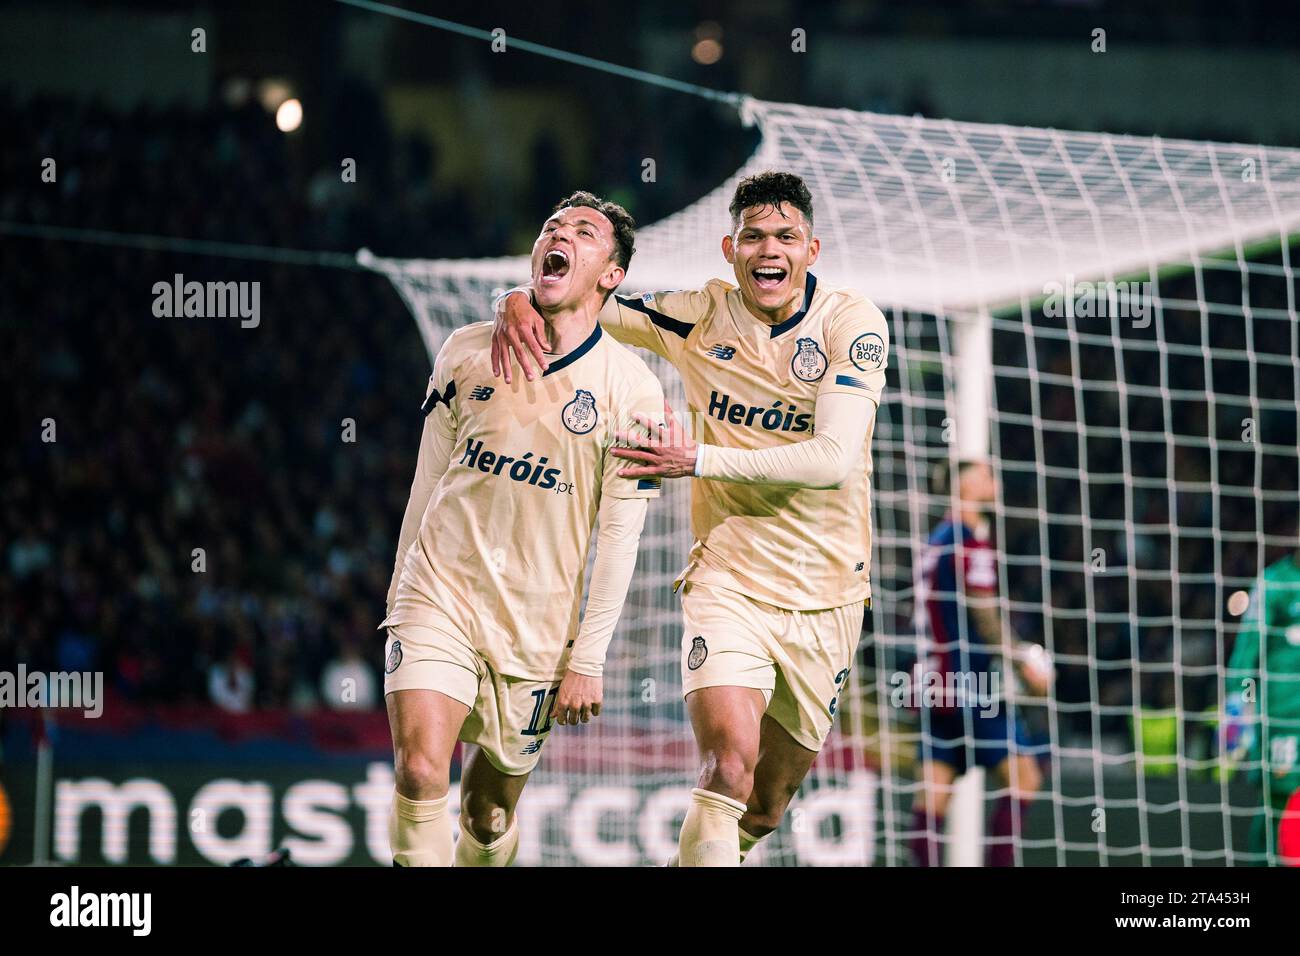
x=699, y=652
x=579, y=416
x=394, y=657
x=809, y=362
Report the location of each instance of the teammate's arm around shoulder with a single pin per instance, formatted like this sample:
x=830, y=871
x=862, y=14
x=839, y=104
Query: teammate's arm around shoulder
x=437, y=440
x=658, y=321
x=621, y=517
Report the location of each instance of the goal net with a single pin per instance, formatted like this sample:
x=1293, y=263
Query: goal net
x=1112, y=321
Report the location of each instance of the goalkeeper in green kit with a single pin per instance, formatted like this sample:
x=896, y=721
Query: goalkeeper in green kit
x=1262, y=703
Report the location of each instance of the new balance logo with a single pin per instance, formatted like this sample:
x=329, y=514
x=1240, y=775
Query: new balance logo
x=533, y=747
x=723, y=352
x=858, y=566
x=481, y=393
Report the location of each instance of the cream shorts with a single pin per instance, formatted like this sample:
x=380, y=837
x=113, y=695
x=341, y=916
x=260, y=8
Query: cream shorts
x=509, y=717
x=800, y=660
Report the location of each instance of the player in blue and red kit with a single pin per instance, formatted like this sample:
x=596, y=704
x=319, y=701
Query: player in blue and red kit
x=965, y=722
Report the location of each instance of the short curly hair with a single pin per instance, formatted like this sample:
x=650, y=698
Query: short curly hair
x=622, y=221
x=770, y=189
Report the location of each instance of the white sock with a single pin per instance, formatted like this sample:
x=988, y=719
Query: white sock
x=500, y=852
x=747, y=843
x=711, y=831
x=419, y=832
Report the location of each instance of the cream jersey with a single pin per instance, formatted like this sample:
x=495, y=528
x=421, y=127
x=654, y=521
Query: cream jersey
x=502, y=544
x=752, y=385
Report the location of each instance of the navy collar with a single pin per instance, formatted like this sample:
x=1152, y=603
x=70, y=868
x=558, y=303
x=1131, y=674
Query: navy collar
x=795, y=319
x=576, y=354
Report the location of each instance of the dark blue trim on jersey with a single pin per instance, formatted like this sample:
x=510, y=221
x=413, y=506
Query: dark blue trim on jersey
x=795, y=319
x=646, y=483
x=576, y=354
x=674, y=326
x=850, y=380
x=435, y=397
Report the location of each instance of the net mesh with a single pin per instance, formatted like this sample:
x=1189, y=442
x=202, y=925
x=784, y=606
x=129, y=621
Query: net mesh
x=1138, y=299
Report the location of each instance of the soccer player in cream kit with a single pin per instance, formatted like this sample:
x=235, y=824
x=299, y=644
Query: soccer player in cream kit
x=485, y=640
x=783, y=375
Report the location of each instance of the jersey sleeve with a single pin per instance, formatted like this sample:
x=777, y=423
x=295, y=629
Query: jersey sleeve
x=437, y=440
x=645, y=397
x=822, y=461
x=621, y=521
x=439, y=405
x=858, y=339
x=658, y=321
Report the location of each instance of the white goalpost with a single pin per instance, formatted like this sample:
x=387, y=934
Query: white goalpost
x=1113, y=322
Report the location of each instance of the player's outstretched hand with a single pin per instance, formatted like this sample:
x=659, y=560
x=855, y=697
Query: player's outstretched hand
x=579, y=698
x=666, y=451
x=518, y=328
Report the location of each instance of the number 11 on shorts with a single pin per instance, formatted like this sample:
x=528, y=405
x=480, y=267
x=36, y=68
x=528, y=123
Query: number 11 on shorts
x=532, y=730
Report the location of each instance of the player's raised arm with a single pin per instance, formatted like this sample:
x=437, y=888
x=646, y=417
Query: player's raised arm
x=658, y=321
x=436, y=443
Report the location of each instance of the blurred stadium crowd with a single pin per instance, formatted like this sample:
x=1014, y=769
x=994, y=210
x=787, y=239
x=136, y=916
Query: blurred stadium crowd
x=178, y=434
